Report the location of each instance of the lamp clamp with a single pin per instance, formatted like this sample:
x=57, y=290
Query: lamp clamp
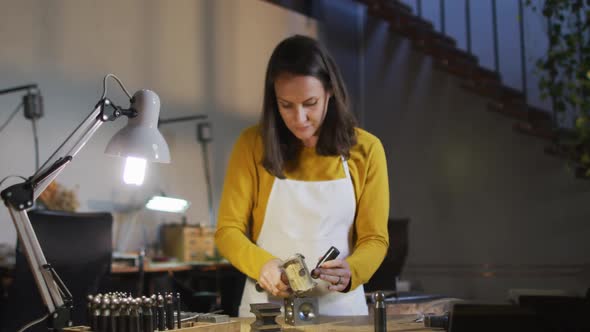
x=110, y=112
x=60, y=318
x=19, y=196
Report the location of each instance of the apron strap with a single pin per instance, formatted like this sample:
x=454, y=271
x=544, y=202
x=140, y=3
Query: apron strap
x=345, y=167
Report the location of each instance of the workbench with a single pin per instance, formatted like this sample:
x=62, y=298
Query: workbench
x=348, y=324
x=327, y=324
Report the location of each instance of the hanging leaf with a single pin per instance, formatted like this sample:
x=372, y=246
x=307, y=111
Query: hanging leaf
x=564, y=72
x=581, y=122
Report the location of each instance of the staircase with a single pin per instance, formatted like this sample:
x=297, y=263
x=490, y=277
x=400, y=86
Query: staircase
x=448, y=57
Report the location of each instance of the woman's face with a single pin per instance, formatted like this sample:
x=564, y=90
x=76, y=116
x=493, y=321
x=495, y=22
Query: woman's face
x=302, y=102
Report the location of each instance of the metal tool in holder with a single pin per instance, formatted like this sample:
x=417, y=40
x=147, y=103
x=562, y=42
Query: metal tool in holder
x=298, y=274
x=118, y=312
x=299, y=261
x=147, y=316
x=266, y=314
x=115, y=312
x=124, y=314
x=161, y=313
x=380, y=315
x=178, y=322
x=301, y=311
x=169, y=308
x=299, y=308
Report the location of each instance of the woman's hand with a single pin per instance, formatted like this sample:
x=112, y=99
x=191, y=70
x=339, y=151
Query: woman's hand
x=337, y=272
x=273, y=279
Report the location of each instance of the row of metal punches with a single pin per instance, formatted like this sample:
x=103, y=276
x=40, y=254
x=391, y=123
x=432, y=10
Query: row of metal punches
x=119, y=312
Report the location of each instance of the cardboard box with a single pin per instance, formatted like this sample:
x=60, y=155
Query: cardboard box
x=189, y=243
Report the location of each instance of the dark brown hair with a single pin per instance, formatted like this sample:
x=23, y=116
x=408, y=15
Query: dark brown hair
x=300, y=55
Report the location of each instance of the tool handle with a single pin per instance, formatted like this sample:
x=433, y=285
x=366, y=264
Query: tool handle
x=331, y=254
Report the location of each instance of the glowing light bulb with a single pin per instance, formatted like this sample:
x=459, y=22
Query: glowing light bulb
x=134, y=172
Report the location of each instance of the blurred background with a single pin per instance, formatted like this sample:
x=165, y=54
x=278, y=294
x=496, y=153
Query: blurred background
x=488, y=209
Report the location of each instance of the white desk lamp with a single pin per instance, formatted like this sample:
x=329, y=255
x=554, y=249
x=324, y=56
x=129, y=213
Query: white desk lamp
x=139, y=139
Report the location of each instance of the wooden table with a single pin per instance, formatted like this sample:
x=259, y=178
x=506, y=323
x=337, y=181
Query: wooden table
x=348, y=324
x=151, y=268
x=327, y=324
x=171, y=267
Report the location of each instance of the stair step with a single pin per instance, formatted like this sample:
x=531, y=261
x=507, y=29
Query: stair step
x=540, y=118
x=512, y=112
x=402, y=6
x=563, y=152
x=533, y=116
x=484, y=84
x=572, y=155
x=395, y=4
x=529, y=129
x=450, y=55
x=487, y=75
x=436, y=44
x=400, y=21
x=492, y=87
x=556, y=151
x=488, y=89
x=463, y=70
x=511, y=96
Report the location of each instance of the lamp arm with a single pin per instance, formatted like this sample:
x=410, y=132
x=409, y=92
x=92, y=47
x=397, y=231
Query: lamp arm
x=56, y=300
x=20, y=197
x=79, y=137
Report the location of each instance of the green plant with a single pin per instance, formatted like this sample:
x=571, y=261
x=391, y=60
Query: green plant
x=564, y=72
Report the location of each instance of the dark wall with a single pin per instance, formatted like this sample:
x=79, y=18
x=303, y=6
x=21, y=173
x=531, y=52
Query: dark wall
x=476, y=192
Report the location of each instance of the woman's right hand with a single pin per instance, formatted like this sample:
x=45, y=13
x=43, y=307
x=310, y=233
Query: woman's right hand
x=273, y=279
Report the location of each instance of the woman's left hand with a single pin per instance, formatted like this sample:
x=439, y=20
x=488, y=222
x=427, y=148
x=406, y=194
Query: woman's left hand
x=336, y=272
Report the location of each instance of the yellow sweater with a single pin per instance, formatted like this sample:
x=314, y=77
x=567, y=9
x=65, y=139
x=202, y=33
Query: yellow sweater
x=248, y=185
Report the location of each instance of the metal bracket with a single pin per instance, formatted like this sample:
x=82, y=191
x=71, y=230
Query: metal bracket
x=19, y=196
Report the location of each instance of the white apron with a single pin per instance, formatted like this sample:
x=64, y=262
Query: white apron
x=308, y=217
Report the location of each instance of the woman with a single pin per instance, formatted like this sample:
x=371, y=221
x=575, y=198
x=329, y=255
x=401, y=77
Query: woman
x=303, y=180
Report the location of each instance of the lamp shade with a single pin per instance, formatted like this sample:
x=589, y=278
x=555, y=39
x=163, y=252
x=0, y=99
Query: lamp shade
x=140, y=138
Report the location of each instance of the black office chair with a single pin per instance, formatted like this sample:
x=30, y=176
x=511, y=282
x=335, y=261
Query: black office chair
x=385, y=276
x=79, y=247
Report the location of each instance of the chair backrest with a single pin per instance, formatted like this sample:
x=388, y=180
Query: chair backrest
x=384, y=277
x=78, y=246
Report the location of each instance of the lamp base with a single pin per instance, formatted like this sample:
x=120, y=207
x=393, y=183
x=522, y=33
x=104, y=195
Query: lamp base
x=60, y=319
